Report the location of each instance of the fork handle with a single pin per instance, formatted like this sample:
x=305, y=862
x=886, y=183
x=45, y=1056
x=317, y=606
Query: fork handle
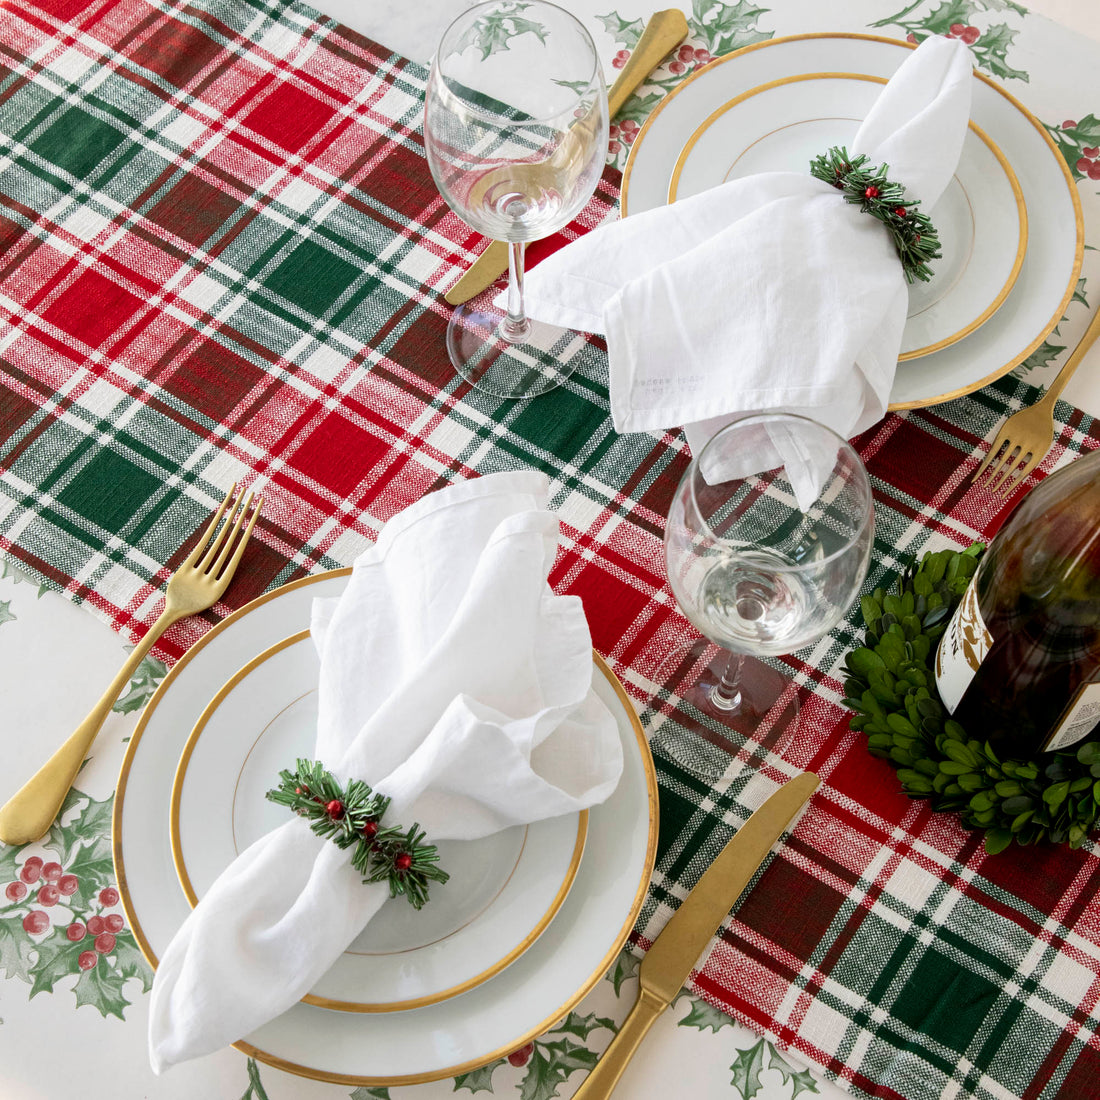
x=1074, y=361
x=30, y=812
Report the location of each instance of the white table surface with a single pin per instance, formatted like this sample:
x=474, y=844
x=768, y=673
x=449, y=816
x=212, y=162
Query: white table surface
x=56, y=658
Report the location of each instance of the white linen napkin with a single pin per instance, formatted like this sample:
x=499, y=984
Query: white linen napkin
x=768, y=292
x=454, y=681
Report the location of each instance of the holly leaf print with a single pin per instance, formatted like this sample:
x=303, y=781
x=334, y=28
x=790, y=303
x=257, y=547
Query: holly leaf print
x=703, y=1016
x=727, y=27
x=990, y=50
x=1002, y=5
x=6, y=615
x=91, y=826
x=130, y=962
x=1079, y=293
x=101, y=986
x=57, y=959
x=144, y=682
x=802, y=1080
x=550, y=1066
x=625, y=32
x=1042, y=356
x=575, y=1024
x=639, y=107
x=626, y=966
x=493, y=33
x=16, y=948
x=362, y=1093
x=746, y=1070
x=478, y=1080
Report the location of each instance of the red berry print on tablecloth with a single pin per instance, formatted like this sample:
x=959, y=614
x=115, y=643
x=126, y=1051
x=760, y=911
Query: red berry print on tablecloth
x=677, y=67
x=522, y=1056
x=1079, y=143
x=36, y=922
x=31, y=870
x=70, y=933
x=620, y=59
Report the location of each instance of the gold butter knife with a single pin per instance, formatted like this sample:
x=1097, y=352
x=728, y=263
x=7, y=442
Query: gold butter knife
x=664, y=31
x=676, y=950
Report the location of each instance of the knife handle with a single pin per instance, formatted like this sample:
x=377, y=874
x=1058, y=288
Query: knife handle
x=600, y=1082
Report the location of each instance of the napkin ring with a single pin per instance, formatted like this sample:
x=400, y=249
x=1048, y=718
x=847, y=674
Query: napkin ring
x=867, y=187
x=351, y=817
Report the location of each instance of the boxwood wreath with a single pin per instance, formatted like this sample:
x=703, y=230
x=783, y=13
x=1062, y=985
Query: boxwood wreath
x=891, y=687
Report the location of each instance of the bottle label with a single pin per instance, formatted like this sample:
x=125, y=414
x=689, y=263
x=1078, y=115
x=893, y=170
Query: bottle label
x=962, y=649
x=1078, y=719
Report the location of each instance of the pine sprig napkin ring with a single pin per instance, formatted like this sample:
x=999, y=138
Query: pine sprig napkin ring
x=351, y=817
x=867, y=187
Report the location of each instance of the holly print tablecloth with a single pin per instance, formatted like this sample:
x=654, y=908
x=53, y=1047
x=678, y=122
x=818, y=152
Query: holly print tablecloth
x=222, y=258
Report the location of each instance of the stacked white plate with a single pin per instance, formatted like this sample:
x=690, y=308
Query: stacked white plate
x=531, y=919
x=1010, y=221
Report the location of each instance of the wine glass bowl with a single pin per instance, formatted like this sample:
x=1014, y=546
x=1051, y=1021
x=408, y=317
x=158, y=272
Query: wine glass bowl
x=515, y=130
x=767, y=542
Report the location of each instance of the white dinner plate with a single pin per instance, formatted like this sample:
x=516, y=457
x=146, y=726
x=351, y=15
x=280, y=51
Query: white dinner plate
x=981, y=217
x=421, y=1044
x=503, y=890
x=1055, y=240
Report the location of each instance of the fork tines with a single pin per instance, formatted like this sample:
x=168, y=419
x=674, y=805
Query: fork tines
x=1005, y=465
x=215, y=552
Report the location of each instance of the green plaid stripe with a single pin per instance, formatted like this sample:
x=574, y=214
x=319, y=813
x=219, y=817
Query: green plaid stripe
x=222, y=257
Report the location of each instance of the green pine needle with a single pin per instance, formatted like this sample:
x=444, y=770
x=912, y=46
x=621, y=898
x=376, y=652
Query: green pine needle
x=380, y=852
x=867, y=187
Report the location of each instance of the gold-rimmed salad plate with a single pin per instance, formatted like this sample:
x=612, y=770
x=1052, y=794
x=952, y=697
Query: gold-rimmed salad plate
x=502, y=893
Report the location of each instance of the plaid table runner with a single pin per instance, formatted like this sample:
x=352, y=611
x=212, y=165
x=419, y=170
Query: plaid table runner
x=222, y=257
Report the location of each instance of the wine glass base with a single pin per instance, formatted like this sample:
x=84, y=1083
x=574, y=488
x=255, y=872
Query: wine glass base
x=540, y=361
x=702, y=734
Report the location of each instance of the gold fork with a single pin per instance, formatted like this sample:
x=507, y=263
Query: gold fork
x=196, y=585
x=1026, y=436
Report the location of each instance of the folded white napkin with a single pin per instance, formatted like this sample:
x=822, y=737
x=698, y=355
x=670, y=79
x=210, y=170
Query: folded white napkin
x=453, y=681
x=768, y=292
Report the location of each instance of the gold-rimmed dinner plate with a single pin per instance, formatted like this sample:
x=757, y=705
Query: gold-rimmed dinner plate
x=502, y=894
x=981, y=217
x=1051, y=265
x=421, y=1044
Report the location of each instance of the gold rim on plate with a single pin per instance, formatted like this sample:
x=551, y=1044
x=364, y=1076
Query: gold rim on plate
x=994, y=148
x=414, y=1078
x=1067, y=176
x=331, y=1002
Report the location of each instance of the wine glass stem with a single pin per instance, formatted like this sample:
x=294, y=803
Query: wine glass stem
x=515, y=326
x=726, y=694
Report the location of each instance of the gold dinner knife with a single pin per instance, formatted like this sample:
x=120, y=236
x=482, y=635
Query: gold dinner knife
x=664, y=31
x=676, y=950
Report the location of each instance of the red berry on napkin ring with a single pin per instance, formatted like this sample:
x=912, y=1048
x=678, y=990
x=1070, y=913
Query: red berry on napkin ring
x=351, y=817
x=914, y=235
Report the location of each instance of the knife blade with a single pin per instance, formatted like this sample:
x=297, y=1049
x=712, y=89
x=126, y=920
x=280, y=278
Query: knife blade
x=676, y=950
x=664, y=31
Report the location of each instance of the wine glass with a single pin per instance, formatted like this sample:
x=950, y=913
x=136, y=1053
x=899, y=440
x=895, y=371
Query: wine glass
x=767, y=543
x=515, y=129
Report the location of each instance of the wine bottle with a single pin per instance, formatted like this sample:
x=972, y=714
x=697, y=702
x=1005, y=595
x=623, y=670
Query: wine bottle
x=1019, y=664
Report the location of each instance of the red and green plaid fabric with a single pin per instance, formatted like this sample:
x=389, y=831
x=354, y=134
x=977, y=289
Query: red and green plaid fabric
x=222, y=258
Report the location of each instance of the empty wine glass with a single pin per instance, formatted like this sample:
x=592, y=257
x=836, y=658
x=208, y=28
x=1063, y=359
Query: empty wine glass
x=515, y=129
x=767, y=543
